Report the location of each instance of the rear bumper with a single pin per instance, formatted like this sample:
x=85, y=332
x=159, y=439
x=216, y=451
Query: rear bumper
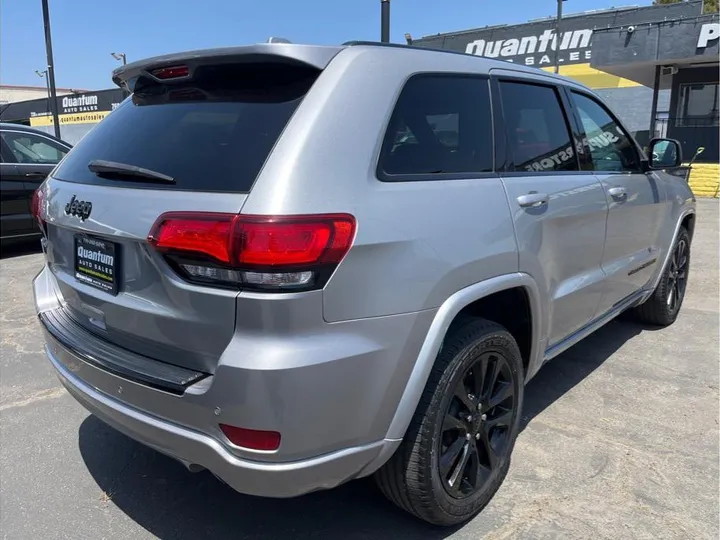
x=331, y=392
x=194, y=448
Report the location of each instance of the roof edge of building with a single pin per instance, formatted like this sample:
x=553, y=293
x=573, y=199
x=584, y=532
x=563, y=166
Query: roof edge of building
x=43, y=88
x=549, y=18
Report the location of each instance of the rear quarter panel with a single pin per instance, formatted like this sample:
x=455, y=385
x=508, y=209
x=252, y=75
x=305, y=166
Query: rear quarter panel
x=680, y=202
x=417, y=242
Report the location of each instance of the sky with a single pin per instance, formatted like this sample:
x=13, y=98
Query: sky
x=85, y=32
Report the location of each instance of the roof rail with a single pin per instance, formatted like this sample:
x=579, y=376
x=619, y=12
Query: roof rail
x=401, y=46
x=375, y=43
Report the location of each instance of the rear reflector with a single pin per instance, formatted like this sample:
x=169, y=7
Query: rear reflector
x=252, y=438
x=280, y=252
x=171, y=72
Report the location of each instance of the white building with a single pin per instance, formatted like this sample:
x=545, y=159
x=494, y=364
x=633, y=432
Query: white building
x=12, y=93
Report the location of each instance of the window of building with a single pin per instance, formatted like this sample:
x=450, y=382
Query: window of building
x=698, y=105
x=441, y=125
x=538, y=135
x=610, y=148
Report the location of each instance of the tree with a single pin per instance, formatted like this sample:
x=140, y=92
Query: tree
x=709, y=6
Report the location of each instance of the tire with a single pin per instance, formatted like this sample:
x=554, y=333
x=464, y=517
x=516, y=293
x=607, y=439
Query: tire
x=412, y=478
x=663, y=307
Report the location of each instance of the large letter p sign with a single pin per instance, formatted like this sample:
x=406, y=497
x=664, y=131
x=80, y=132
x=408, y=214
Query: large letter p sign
x=708, y=33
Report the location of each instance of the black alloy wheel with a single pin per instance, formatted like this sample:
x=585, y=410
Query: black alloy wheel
x=476, y=428
x=663, y=306
x=456, y=451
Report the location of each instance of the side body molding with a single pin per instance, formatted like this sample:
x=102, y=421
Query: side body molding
x=436, y=334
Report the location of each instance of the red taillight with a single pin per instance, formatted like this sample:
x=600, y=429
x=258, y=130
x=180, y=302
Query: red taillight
x=170, y=72
x=36, y=207
x=35, y=203
x=263, y=251
x=252, y=438
x=294, y=241
x=203, y=234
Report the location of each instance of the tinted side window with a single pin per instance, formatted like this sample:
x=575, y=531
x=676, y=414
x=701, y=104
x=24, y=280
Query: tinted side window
x=441, y=124
x=5, y=154
x=537, y=130
x=31, y=148
x=609, y=146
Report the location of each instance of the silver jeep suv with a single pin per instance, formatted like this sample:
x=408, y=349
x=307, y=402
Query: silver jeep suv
x=296, y=265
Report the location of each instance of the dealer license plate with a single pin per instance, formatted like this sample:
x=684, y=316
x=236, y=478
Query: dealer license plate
x=96, y=263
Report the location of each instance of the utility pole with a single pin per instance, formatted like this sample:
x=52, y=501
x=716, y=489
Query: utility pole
x=50, y=68
x=385, y=21
x=557, y=35
x=121, y=57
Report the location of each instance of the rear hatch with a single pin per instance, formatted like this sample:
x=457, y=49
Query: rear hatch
x=192, y=137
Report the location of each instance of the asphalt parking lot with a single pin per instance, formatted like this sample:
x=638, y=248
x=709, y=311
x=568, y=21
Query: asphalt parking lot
x=620, y=440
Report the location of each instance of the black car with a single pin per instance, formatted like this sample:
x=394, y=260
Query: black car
x=27, y=156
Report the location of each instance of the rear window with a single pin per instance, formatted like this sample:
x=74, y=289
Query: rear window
x=213, y=133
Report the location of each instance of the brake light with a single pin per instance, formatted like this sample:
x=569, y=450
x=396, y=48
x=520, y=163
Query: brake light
x=252, y=438
x=264, y=252
x=204, y=234
x=296, y=242
x=171, y=72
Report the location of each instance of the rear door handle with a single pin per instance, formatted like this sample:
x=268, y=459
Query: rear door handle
x=533, y=199
x=617, y=193
x=34, y=175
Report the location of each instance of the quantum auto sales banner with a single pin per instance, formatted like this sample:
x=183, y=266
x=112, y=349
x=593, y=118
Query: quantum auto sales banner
x=534, y=43
x=85, y=108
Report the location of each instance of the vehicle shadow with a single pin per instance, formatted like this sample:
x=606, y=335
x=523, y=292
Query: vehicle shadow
x=170, y=502
x=17, y=248
x=565, y=371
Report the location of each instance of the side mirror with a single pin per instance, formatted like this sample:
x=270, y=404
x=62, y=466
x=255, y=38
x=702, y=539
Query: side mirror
x=664, y=153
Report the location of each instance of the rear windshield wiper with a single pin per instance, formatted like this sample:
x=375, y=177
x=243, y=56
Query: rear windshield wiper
x=123, y=171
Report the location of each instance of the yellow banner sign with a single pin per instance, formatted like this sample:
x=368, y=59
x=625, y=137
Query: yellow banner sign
x=593, y=78
x=75, y=118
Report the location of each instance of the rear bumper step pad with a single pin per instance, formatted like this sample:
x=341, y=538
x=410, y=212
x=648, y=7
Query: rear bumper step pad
x=92, y=350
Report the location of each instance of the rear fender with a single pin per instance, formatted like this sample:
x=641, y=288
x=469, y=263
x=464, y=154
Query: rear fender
x=668, y=250
x=439, y=327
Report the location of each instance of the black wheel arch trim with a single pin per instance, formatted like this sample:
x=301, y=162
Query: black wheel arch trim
x=445, y=315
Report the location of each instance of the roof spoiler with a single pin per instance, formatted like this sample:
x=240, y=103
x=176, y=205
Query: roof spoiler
x=274, y=51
